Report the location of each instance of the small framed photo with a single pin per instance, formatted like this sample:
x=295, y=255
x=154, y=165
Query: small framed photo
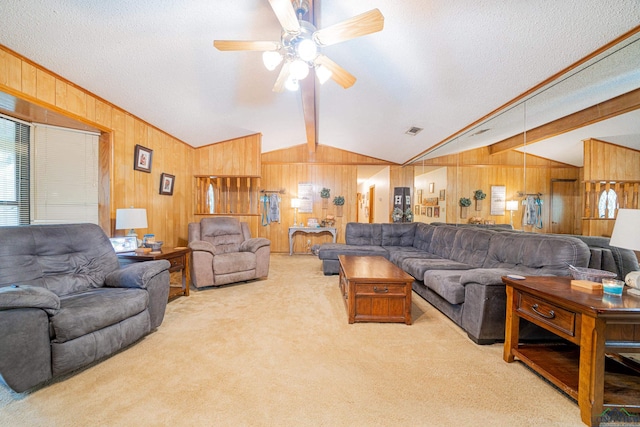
x=142, y=159
x=436, y=211
x=166, y=184
x=430, y=211
x=432, y=187
x=124, y=244
x=442, y=194
x=416, y=210
x=423, y=210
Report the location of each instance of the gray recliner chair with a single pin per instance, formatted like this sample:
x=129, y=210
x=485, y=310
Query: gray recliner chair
x=224, y=252
x=66, y=303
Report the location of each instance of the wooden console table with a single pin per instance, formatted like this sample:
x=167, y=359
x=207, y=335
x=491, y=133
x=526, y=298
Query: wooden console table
x=179, y=259
x=596, y=328
x=293, y=230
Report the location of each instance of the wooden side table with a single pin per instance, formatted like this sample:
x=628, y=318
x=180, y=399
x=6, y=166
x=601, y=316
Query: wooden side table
x=179, y=259
x=596, y=328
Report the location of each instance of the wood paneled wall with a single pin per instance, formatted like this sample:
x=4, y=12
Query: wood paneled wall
x=608, y=166
x=121, y=186
x=236, y=157
x=332, y=168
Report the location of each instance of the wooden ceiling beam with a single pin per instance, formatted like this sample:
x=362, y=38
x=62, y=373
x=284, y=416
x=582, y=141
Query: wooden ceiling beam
x=308, y=92
x=624, y=103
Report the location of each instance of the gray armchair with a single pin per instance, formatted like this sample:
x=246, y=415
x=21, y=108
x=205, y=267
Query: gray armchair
x=224, y=252
x=66, y=303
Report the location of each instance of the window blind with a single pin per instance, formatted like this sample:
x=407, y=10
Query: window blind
x=14, y=172
x=65, y=176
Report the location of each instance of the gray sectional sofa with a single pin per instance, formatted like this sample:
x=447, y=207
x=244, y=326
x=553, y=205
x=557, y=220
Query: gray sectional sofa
x=459, y=269
x=66, y=303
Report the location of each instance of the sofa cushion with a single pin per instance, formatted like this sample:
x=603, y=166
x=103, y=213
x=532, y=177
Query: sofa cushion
x=536, y=254
x=332, y=250
x=446, y=284
x=234, y=262
x=62, y=258
x=398, y=253
x=418, y=266
x=361, y=234
x=92, y=310
x=442, y=240
x=225, y=233
x=398, y=234
x=423, y=235
x=470, y=246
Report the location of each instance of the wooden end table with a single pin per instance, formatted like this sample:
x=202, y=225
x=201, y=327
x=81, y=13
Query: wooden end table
x=179, y=259
x=375, y=290
x=595, y=328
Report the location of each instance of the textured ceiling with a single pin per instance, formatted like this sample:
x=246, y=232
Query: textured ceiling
x=439, y=65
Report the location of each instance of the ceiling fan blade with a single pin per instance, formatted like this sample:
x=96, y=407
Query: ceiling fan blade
x=338, y=74
x=286, y=15
x=361, y=25
x=260, y=46
x=282, y=77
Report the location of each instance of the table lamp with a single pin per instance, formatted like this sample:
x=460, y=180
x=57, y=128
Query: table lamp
x=512, y=205
x=295, y=204
x=626, y=234
x=131, y=219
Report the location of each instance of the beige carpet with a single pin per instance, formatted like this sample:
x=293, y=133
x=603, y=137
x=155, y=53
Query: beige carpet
x=279, y=352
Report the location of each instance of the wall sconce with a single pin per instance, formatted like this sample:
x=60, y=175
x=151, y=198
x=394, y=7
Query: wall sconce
x=295, y=204
x=512, y=205
x=131, y=219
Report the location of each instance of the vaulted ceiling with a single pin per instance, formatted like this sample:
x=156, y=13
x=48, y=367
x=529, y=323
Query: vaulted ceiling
x=438, y=65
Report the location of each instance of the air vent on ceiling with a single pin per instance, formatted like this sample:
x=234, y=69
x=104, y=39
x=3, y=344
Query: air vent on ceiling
x=413, y=131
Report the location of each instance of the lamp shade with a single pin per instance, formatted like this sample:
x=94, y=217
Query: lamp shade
x=626, y=230
x=131, y=218
x=295, y=203
x=512, y=205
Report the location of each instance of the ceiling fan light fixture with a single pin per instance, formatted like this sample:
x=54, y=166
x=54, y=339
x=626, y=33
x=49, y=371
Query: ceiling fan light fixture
x=323, y=74
x=299, y=69
x=292, y=84
x=271, y=59
x=307, y=50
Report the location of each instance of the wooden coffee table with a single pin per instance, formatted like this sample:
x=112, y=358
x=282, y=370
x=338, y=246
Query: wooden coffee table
x=375, y=290
x=596, y=328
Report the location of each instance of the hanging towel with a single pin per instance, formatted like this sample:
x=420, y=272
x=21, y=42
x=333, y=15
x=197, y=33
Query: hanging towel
x=265, y=213
x=274, y=208
x=532, y=212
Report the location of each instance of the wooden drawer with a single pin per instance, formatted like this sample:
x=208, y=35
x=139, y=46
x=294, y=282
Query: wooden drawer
x=380, y=289
x=549, y=316
x=177, y=262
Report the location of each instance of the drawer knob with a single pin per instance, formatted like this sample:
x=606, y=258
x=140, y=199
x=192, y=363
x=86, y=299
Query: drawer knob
x=380, y=291
x=551, y=315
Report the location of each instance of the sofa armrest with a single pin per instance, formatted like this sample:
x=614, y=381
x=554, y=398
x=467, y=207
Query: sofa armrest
x=27, y=296
x=201, y=245
x=136, y=275
x=253, y=244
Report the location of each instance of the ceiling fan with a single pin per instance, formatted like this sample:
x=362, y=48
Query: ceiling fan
x=300, y=44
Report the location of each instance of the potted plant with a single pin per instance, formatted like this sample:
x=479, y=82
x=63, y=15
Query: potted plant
x=479, y=196
x=397, y=214
x=339, y=202
x=325, y=193
x=408, y=214
x=465, y=202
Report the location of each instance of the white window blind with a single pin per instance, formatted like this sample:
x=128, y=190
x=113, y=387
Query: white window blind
x=14, y=172
x=65, y=176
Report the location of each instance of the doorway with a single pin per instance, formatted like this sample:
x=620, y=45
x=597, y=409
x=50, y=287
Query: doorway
x=564, y=206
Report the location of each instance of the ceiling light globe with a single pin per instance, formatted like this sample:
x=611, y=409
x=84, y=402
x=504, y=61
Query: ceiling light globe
x=323, y=74
x=292, y=84
x=299, y=69
x=271, y=59
x=307, y=50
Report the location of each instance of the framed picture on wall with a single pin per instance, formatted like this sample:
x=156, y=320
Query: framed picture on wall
x=166, y=184
x=436, y=212
x=142, y=159
x=432, y=187
x=442, y=194
x=419, y=196
x=423, y=210
x=429, y=211
x=416, y=210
